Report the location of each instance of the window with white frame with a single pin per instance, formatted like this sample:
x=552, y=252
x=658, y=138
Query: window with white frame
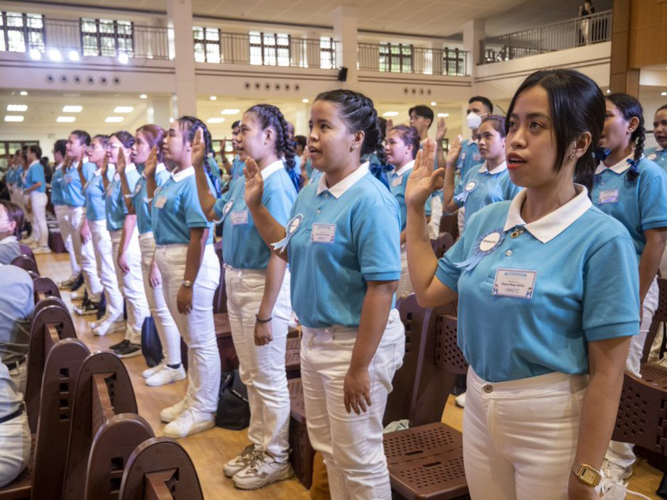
x=269, y=49
x=207, y=44
x=106, y=37
x=21, y=32
x=396, y=58
x=327, y=53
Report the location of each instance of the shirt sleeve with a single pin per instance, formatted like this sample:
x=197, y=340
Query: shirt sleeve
x=194, y=215
x=458, y=189
x=279, y=204
x=447, y=272
x=611, y=295
x=88, y=171
x=377, y=240
x=653, y=199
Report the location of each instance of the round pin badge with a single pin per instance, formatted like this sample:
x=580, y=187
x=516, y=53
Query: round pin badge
x=652, y=156
x=470, y=187
x=228, y=207
x=489, y=242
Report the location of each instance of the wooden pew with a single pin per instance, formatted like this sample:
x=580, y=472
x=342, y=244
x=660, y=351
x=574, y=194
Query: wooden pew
x=105, y=429
x=160, y=469
x=26, y=263
x=44, y=287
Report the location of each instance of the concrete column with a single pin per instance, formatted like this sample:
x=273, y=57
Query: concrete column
x=473, y=34
x=345, y=33
x=179, y=18
x=302, y=117
x=159, y=111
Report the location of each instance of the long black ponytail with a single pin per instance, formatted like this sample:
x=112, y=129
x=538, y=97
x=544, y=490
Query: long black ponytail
x=189, y=125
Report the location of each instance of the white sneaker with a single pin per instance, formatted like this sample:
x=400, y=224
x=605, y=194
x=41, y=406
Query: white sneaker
x=149, y=372
x=103, y=319
x=239, y=463
x=41, y=250
x=190, y=422
x=461, y=400
x=616, y=473
x=77, y=295
x=33, y=245
x=173, y=412
x=166, y=376
x=109, y=327
x=261, y=471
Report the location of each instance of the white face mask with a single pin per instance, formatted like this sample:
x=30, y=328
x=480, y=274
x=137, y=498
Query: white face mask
x=474, y=120
x=5, y=226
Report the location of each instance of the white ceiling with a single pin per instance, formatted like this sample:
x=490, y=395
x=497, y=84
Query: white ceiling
x=426, y=17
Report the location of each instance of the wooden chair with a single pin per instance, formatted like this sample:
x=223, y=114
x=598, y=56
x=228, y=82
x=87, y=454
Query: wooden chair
x=450, y=224
x=223, y=333
x=45, y=287
x=160, y=469
x=105, y=429
x=26, y=263
x=27, y=251
x=659, y=319
x=293, y=357
x=443, y=243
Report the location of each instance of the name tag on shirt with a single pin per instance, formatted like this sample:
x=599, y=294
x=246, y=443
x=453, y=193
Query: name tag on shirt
x=323, y=233
x=609, y=196
x=239, y=218
x=160, y=202
x=514, y=283
x=397, y=182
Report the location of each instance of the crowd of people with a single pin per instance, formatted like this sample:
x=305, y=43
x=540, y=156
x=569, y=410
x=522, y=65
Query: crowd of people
x=562, y=217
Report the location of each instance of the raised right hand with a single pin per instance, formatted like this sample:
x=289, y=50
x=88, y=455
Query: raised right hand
x=151, y=162
x=454, y=151
x=423, y=178
x=254, y=184
x=198, y=149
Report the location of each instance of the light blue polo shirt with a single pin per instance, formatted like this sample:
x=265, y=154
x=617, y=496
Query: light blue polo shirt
x=484, y=187
x=350, y=235
x=586, y=288
x=140, y=198
x=297, y=165
x=657, y=155
x=17, y=305
x=468, y=158
x=242, y=246
x=175, y=210
x=9, y=249
x=72, y=189
x=638, y=205
x=56, y=186
x=398, y=180
x=309, y=168
x=116, y=209
x=36, y=174
x=237, y=168
x=215, y=168
x=94, y=193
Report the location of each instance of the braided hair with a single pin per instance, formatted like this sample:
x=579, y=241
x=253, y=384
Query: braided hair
x=270, y=116
x=409, y=136
x=189, y=125
x=631, y=108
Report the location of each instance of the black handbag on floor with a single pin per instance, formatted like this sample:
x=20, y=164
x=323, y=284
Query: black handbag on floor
x=233, y=407
x=151, y=347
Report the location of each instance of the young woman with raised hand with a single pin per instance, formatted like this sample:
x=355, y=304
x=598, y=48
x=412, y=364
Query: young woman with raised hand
x=258, y=292
x=190, y=274
x=633, y=190
x=122, y=227
x=136, y=200
x=486, y=183
x=548, y=354
x=94, y=228
x=343, y=247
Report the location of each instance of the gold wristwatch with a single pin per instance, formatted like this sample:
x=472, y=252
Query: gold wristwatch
x=586, y=474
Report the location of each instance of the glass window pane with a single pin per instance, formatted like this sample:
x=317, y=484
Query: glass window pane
x=108, y=45
x=213, y=53
x=106, y=26
x=90, y=45
x=35, y=21
x=88, y=26
x=198, y=33
x=256, y=55
x=14, y=19
x=213, y=34
x=16, y=41
x=200, y=56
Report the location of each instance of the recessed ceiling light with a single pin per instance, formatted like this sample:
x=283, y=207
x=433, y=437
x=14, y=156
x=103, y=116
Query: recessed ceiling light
x=73, y=55
x=23, y=92
x=66, y=119
x=114, y=119
x=390, y=113
x=14, y=118
x=443, y=115
x=143, y=96
x=171, y=119
x=123, y=58
x=608, y=91
x=55, y=55
x=304, y=100
x=35, y=54
x=663, y=93
x=229, y=111
x=17, y=107
x=72, y=109
x=123, y=109
x=215, y=120
x=213, y=98
x=434, y=103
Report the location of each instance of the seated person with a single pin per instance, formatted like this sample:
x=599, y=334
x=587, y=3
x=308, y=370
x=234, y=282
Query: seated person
x=11, y=223
x=17, y=304
x=14, y=430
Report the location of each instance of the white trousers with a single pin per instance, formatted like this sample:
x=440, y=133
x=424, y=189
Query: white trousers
x=196, y=328
x=63, y=224
x=436, y=216
x=15, y=445
x=262, y=368
x=40, y=231
x=106, y=269
x=404, y=284
x=351, y=444
x=520, y=436
x=85, y=254
x=461, y=219
x=165, y=325
x=621, y=453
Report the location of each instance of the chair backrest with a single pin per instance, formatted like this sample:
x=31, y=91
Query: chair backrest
x=60, y=373
x=641, y=418
x=27, y=251
x=450, y=224
x=443, y=243
x=448, y=356
x=220, y=297
x=45, y=287
x=103, y=389
x=659, y=318
x=160, y=469
x=26, y=263
x=42, y=340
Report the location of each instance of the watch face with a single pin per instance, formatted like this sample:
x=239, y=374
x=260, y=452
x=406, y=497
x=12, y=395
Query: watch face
x=589, y=476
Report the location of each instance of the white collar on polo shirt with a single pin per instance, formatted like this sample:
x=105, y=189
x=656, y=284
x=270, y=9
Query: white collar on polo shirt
x=484, y=169
x=404, y=169
x=339, y=189
x=274, y=167
x=183, y=174
x=619, y=168
x=36, y=162
x=130, y=168
x=551, y=225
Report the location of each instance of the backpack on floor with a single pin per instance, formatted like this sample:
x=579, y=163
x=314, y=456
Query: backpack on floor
x=151, y=347
x=233, y=407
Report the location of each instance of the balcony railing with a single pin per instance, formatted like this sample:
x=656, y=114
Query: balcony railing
x=558, y=36
x=83, y=37
x=398, y=58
